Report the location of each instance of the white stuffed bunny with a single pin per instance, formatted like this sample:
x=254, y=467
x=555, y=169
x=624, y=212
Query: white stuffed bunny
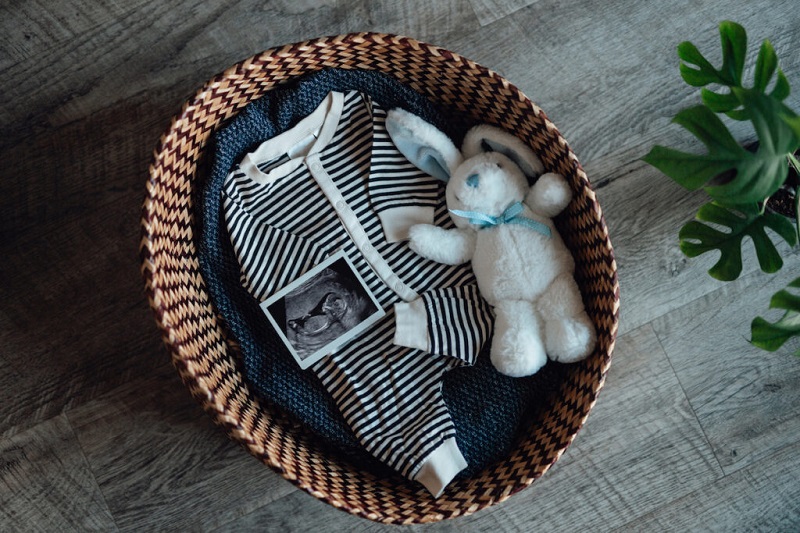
x=504, y=227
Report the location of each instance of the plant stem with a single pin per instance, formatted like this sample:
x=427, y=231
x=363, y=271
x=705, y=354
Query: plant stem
x=794, y=162
x=797, y=213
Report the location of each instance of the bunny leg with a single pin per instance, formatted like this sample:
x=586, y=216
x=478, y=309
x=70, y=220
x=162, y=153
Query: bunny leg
x=568, y=331
x=517, y=347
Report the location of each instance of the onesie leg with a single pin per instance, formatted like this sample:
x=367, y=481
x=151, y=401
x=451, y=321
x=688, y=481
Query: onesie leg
x=569, y=333
x=517, y=347
x=441, y=467
x=395, y=407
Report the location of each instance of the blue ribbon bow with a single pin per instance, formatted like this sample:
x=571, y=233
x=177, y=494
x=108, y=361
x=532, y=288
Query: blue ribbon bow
x=509, y=216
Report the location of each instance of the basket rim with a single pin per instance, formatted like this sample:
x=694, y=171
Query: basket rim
x=193, y=378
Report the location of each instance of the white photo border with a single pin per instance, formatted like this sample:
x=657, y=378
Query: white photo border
x=335, y=344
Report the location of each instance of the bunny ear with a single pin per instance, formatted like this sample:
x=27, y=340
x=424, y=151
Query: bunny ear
x=485, y=138
x=426, y=147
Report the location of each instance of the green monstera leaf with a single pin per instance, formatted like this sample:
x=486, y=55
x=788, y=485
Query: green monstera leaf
x=700, y=236
x=772, y=335
x=730, y=174
x=697, y=71
x=752, y=176
x=739, y=181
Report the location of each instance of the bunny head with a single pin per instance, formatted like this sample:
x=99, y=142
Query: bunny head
x=487, y=183
x=493, y=170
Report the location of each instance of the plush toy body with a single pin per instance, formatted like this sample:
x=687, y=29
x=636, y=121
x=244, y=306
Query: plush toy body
x=504, y=227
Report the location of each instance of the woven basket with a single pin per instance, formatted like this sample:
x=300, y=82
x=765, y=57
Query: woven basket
x=208, y=362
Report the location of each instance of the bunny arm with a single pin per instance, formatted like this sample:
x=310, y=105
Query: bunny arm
x=448, y=246
x=549, y=195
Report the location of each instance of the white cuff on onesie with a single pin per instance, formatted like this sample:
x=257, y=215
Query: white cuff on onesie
x=411, y=325
x=451, y=321
x=441, y=467
x=398, y=220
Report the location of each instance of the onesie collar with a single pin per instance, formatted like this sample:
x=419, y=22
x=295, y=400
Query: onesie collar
x=311, y=135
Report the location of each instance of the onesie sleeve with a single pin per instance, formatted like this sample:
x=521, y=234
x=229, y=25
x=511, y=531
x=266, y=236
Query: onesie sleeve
x=453, y=321
x=400, y=193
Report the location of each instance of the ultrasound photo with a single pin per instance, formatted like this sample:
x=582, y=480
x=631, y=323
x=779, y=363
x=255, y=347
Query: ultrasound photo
x=323, y=309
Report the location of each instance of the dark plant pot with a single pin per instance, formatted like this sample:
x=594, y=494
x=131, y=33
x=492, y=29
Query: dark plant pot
x=784, y=201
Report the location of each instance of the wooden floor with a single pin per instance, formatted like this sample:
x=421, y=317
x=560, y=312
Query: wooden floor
x=695, y=429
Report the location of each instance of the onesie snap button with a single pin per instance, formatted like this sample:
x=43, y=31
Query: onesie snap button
x=339, y=205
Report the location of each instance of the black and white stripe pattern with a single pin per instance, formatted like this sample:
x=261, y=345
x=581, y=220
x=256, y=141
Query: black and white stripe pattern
x=390, y=395
x=391, y=174
x=458, y=321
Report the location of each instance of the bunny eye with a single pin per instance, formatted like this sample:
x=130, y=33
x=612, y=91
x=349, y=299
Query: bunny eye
x=473, y=180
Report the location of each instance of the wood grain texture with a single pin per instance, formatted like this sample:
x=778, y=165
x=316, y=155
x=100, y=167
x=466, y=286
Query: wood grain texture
x=34, y=27
x=10, y=388
x=150, y=48
x=298, y=512
x=747, y=400
x=75, y=322
x=489, y=11
x=46, y=483
x=695, y=430
x=762, y=497
x=162, y=464
x=644, y=212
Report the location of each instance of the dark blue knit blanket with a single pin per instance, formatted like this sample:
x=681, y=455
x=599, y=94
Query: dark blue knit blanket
x=488, y=409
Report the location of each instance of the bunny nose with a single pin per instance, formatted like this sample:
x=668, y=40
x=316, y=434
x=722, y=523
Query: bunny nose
x=473, y=180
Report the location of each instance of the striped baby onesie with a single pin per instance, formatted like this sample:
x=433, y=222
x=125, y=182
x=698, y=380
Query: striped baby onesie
x=336, y=182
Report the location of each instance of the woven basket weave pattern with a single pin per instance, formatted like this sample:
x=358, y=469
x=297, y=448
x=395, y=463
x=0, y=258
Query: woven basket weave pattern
x=207, y=361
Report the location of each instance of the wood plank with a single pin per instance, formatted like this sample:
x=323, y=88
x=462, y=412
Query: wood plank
x=632, y=455
x=747, y=400
x=163, y=465
x=641, y=445
x=46, y=484
x=762, y=497
x=489, y=11
x=139, y=51
x=106, y=65
x=302, y=512
x=75, y=321
x=432, y=22
x=35, y=27
x=644, y=211
x=53, y=178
